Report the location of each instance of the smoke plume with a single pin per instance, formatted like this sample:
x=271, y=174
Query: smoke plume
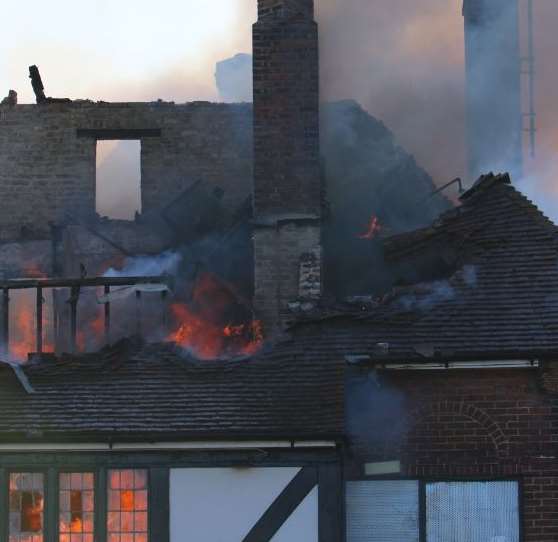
x=402, y=60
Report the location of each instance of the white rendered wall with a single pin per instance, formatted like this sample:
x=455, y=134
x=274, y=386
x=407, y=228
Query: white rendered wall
x=302, y=526
x=222, y=505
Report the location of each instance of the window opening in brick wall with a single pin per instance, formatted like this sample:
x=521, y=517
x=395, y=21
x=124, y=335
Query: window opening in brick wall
x=77, y=507
x=383, y=511
x=456, y=511
x=472, y=511
x=118, y=178
x=127, y=506
x=26, y=507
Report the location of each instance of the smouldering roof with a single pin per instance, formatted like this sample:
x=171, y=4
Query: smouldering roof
x=134, y=392
x=498, y=298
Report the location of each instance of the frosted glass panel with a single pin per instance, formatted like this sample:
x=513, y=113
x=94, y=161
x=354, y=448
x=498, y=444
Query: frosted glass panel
x=382, y=511
x=472, y=512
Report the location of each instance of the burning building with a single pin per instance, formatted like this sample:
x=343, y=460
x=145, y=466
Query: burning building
x=259, y=385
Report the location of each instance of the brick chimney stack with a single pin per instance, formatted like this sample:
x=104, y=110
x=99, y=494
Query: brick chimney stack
x=287, y=184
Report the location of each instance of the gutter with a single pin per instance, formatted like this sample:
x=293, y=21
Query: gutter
x=447, y=364
x=165, y=446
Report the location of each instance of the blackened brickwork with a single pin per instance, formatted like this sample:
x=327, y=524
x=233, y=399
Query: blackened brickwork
x=282, y=8
x=47, y=170
x=287, y=184
x=286, y=110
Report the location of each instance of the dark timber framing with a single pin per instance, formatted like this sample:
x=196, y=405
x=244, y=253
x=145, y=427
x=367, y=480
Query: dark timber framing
x=283, y=506
x=75, y=286
x=320, y=467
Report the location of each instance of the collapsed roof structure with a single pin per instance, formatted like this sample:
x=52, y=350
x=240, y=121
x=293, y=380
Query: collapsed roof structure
x=373, y=417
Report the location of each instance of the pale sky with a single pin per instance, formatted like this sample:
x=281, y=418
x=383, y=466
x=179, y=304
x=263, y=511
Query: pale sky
x=403, y=60
x=121, y=49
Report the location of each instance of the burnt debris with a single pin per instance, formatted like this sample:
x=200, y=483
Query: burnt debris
x=39, y=89
x=10, y=99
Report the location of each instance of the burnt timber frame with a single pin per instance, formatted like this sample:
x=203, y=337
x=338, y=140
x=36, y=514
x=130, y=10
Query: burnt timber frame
x=75, y=286
x=321, y=467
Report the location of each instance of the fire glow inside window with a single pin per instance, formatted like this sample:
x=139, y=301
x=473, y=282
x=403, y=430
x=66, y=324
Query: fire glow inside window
x=77, y=507
x=26, y=507
x=127, y=506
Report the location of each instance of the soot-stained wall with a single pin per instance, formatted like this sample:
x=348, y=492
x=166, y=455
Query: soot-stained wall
x=46, y=170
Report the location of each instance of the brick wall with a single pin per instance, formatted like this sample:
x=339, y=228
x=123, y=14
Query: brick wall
x=286, y=115
x=279, y=254
x=45, y=169
x=270, y=8
x=483, y=424
x=287, y=184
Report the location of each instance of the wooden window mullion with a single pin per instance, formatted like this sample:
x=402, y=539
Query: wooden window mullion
x=51, y=506
x=101, y=496
x=4, y=505
x=159, y=505
x=422, y=511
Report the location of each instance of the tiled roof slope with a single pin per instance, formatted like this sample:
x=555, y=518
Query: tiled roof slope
x=157, y=392
x=501, y=298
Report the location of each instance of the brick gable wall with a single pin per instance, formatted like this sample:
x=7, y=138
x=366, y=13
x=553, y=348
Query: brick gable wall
x=483, y=424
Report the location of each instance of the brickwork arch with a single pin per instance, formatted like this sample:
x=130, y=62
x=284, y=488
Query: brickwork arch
x=450, y=422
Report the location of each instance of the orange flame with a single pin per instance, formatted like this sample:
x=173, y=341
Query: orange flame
x=76, y=526
x=203, y=328
x=33, y=271
x=23, y=339
x=373, y=229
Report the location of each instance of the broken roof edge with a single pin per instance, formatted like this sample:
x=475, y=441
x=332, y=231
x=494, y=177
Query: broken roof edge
x=399, y=246
x=485, y=182
x=20, y=375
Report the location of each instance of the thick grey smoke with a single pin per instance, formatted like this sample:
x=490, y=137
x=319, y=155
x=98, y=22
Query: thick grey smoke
x=166, y=263
x=376, y=415
x=405, y=63
x=402, y=60
x=234, y=78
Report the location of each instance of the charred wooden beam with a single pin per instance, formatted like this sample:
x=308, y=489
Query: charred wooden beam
x=164, y=302
x=39, y=89
x=138, y=313
x=39, y=320
x=6, y=321
x=37, y=84
x=91, y=282
x=107, y=316
x=74, y=297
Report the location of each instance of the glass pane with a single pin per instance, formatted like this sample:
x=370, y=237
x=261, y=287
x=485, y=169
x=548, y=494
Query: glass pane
x=383, y=511
x=26, y=507
x=472, y=511
x=76, y=506
x=127, y=501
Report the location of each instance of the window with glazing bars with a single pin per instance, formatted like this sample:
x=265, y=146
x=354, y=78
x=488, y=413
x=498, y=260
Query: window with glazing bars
x=456, y=511
x=127, y=519
x=77, y=507
x=26, y=507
